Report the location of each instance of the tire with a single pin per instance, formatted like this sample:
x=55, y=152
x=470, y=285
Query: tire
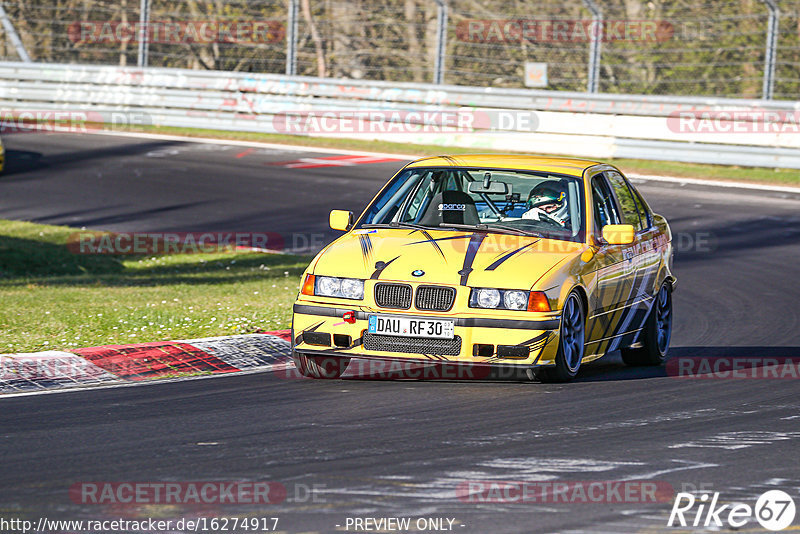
x=326, y=367
x=656, y=334
x=571, y=339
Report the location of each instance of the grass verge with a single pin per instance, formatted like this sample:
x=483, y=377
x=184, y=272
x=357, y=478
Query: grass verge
x=635, y=166
x=55, y=299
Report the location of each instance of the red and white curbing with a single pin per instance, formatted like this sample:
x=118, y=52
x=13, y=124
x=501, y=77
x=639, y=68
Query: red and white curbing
x=116, y=364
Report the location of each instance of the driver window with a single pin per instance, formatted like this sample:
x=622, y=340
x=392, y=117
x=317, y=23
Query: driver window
x=604, y=210
x=643, y=213
x=626, y=202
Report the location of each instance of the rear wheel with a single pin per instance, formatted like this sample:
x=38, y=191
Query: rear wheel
x=571, y=343
x=656, y=334
x=320, y=366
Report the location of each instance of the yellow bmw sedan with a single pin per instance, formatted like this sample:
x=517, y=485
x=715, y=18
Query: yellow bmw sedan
x=491, y=261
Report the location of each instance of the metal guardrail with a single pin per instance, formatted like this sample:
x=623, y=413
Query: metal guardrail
x=443, y=28
x=571, y=123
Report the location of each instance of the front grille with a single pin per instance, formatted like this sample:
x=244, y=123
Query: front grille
x=435, y=298
x=396, y=296
x=419, y=345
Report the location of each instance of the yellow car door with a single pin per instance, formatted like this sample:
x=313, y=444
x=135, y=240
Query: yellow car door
x=639, y=256
x=615, y=271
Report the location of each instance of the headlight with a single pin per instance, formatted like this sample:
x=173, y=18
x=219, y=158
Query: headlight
x=488, y=298
x=331, y=286
x=515, y=300
x=509, y=299
x=327, y=286
x=352, y=288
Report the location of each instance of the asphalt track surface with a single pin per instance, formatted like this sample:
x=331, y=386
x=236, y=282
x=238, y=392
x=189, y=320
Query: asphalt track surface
x=401, y=448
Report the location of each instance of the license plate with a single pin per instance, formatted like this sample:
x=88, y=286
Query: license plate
x=411, y=326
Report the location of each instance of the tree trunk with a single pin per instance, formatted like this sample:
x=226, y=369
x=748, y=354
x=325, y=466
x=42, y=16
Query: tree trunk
x=414, y=47
x=306, y=7
x=123, y=45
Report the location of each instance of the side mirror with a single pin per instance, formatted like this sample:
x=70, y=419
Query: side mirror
x=619, y=234
x=341, y=220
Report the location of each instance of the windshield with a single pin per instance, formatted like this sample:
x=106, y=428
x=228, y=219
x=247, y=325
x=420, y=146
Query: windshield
x=499, y=200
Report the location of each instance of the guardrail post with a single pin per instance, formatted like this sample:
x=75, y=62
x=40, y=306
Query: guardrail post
x=144, y=19
x=291, y=39
x=772, y=46
x=595, y=40
x=441, y=40
x=8, y=26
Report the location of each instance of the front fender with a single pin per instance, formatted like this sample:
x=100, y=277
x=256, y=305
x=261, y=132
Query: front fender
x=665, y=248
x=571, y=273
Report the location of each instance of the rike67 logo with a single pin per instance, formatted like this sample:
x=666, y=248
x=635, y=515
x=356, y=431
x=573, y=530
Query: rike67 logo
x=774, y=511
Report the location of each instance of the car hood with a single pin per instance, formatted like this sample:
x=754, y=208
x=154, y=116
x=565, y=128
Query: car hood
x=477, y=259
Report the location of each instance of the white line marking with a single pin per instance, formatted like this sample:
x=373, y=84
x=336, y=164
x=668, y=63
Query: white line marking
x=738, y=440
x=257, y=144
x=715, y=183
x=321, y=150
x=689, y=465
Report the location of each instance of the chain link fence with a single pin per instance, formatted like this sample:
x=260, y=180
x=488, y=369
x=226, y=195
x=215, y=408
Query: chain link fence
x=747, y=49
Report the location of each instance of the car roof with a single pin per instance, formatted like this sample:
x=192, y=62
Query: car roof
x=573, y=167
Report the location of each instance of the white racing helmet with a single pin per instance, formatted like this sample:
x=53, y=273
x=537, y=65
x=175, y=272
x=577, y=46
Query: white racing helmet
x=550, y=198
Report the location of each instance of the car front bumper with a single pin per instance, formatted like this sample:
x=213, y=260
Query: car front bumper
x=479, y=338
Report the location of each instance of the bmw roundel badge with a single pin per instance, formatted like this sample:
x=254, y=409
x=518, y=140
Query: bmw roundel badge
x=418, y=272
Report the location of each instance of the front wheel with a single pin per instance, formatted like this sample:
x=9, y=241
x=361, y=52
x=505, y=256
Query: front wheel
x=572, y=335
x=320, y=366
x=656, y=334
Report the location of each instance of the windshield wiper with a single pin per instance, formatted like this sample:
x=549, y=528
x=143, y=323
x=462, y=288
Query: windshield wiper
x=397, y=224
x=518, y=230
x=487, y=228
x=478, y=227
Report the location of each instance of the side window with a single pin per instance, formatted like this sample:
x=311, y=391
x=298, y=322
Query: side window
x=627, y=204
x=647, y=220
x=386, y=207
x=604, y=210
x=422, y=193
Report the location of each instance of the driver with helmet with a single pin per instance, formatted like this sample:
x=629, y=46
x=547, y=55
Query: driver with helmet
x=548, y=202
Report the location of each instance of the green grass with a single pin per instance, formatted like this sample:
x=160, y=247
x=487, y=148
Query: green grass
x=640, y=166
x=55, y=299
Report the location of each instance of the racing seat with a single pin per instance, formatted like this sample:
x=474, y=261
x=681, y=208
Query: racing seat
x=454, y=207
